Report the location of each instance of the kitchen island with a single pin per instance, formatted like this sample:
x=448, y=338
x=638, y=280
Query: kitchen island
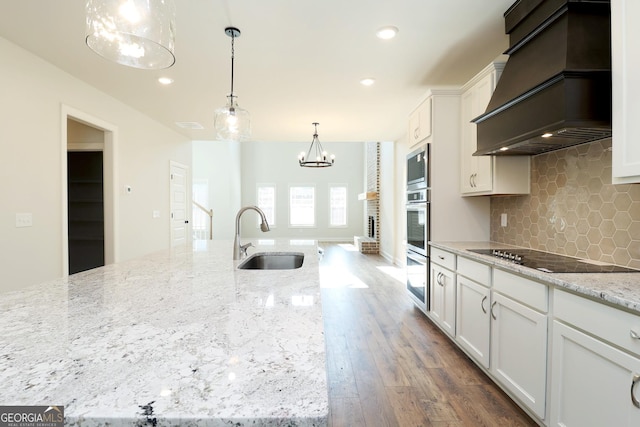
x=178, y=337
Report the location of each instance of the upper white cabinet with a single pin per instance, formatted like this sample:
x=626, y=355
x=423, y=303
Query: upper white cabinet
x=420, y=123
x=487, y=175
x=625, y=62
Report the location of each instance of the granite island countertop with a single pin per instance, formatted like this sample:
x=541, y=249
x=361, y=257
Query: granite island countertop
x=180, y=336
x=618, y=289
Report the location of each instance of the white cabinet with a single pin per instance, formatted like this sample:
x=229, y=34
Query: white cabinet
x=472, y=319
x=443, y=297
x=519, y=338
x=625, y=62
x=487, y=175
x=593, y=382
x=420, y=123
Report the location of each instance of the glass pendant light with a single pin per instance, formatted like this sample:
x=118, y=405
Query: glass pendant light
x=231, y=122
x=316, y=157
x=135, y=33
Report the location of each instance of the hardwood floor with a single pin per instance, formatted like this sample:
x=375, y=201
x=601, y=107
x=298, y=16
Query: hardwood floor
x=387, y=364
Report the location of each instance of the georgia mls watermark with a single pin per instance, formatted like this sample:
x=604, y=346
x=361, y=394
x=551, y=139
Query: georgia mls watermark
x=31, y=416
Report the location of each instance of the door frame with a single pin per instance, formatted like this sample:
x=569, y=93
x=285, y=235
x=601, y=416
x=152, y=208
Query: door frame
x=110, y=183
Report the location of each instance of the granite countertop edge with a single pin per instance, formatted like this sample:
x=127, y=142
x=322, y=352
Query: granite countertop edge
x=618, y=289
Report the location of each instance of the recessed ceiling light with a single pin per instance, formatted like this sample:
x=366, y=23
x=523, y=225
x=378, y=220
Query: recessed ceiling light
x=368, y=81
x=165, y=80
x=386, y=33
x=547, y=135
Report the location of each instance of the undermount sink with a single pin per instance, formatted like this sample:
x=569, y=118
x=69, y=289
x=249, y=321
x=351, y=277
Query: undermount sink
x=273, y=261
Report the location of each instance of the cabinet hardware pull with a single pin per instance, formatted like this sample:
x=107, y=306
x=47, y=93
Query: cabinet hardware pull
x=484, y=310
x=441, y=257
x=470, y=181
x=440, y=279
x=634, y=335
x=492, y=313
x=635, y=402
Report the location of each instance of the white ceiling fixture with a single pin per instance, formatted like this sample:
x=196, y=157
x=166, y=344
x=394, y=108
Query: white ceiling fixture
x=387, y=33
x=135, y=33
x=165, y=80
x=316, y=157
x=368, y=81
x=231, y=122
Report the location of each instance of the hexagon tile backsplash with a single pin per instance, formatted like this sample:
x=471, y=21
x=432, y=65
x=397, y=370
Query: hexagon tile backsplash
x=573, y=208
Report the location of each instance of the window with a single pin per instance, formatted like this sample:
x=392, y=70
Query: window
x=337, y=206
x=266, y=200
x=302, y=206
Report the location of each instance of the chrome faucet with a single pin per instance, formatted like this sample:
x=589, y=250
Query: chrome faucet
x=240, y=251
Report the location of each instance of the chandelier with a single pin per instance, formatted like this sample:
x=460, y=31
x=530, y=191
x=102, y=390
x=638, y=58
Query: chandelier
x=135, y=33
x=231, y=122
x=316, y=157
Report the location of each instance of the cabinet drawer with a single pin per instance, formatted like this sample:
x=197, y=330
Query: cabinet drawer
x=474, y=270
x=608, y=323
x=443, y=258
x=528, y=292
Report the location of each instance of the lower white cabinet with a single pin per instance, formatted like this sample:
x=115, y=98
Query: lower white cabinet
x=443, y=298
x=593, y=383
x=473, y=322
x=595, y=368
x=519, y=351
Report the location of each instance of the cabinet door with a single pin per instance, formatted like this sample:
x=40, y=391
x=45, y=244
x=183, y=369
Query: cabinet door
x=443, y=301
x=472, y=319
x=483, y=181
x=592, y=382
x=519, y=351
x=468, y=162
x=420, y=123
x=626, y=90
x=476, y=170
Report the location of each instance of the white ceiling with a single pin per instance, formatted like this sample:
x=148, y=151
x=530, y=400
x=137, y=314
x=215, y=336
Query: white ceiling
x=297, y=61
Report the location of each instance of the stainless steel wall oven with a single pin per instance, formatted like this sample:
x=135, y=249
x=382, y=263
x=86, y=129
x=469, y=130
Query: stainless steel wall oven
x=417, y=208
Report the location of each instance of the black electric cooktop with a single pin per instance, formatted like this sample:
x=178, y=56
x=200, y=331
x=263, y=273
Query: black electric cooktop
x=551, y=263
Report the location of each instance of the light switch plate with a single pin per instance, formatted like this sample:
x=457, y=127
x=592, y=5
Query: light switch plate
x=156, y=214
x=24, y=220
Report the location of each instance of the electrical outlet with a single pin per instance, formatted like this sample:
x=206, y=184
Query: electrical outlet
x=156, y=214
x=503, y=220
x=24, y=220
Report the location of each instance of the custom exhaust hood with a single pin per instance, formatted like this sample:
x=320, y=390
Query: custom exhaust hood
x=555, y=90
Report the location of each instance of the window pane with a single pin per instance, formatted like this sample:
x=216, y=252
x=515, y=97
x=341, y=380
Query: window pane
x=267, y=202
x=338, y=206
x=302, y=206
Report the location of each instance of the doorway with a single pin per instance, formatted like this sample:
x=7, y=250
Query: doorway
x=89, y=199
x=85, y=207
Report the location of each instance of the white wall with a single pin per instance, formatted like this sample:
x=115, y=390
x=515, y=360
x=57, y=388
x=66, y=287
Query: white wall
x=33, y=95
x=277, y=163
x=219, y=163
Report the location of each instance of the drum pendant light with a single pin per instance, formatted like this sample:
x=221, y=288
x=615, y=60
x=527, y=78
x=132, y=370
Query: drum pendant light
x=231, y=122
x=135, y=33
